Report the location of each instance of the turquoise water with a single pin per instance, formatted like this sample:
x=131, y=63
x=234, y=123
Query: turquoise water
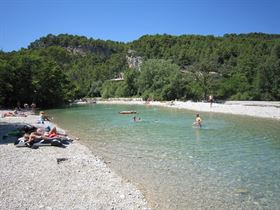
x=233, y=162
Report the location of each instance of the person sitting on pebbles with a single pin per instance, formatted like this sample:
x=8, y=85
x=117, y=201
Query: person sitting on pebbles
x=43, y=118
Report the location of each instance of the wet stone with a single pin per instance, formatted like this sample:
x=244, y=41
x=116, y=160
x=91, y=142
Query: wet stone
x=241, y=190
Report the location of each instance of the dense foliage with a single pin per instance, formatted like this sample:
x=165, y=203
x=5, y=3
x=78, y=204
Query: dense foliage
x=56, y=69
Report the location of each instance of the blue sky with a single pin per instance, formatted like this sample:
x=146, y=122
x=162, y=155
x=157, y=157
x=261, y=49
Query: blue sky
x=24, y=21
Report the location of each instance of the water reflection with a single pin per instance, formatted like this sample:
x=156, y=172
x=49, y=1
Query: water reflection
x=197, y=134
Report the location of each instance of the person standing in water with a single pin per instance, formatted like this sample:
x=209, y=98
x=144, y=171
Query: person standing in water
x=198, y=121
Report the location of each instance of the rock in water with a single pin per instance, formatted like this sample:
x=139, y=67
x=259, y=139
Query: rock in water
x=241, y=190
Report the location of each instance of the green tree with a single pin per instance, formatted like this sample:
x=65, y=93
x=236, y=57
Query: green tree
x=154, y=76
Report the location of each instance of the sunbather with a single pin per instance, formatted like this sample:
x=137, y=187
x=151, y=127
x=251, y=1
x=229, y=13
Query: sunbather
x=51, y=133
x=14, y=114
x=30, y=138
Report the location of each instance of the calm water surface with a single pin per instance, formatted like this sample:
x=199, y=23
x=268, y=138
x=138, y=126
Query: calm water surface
x=233, y=162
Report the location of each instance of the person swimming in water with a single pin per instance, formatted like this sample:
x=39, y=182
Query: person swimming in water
x=136, y=120
x=198, y=121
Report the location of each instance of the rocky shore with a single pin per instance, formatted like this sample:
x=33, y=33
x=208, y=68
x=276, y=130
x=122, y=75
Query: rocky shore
x=59, y=178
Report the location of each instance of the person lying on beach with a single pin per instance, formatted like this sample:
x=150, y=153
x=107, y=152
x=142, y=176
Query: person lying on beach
x=34, y=136
x=51, y=133
x=198, y=121
x=9, y=114
x=40, y=134
x=14, y=114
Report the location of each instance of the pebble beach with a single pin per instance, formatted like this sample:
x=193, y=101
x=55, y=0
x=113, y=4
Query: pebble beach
x=36, y=179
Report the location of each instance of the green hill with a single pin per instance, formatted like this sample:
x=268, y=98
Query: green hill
x=56, y=69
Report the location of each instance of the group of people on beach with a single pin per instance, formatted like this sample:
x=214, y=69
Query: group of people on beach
x=26, y=107
x=21, y=111
x=44, y=131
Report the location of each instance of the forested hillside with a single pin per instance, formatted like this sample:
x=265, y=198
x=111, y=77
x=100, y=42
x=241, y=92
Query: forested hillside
x=56, y=69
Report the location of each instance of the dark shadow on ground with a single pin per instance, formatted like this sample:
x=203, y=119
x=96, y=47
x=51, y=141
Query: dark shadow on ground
x=8, y=132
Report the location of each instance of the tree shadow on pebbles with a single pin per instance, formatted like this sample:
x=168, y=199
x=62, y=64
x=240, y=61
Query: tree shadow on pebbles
x=9, y=132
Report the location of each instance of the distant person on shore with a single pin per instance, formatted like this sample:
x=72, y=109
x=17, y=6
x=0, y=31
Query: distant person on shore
x=33, y=107
x=26, y=107
x=211, y=100
x=150, y=99
x=198, y=121
x=18, y=107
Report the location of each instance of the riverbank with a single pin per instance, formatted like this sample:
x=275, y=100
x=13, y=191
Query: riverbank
x=263, y=109
x=35, y=179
